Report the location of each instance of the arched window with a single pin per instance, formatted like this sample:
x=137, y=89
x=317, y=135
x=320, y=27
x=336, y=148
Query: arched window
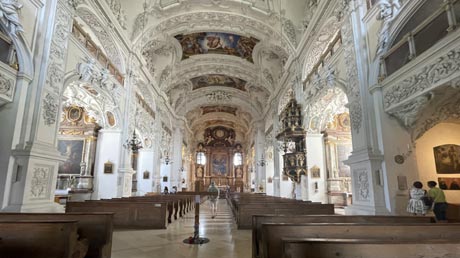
x=200, y=158
x=238, y=159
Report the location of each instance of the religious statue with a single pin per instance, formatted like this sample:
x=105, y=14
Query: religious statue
x=86, y=69
x=388, y=11
x=105, y=79
x=9, y=15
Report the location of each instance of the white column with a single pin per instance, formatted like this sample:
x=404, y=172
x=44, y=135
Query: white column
x=107, y=151
x=176, y=156
x=366, y=159
x=33, y=163
x=277, y=173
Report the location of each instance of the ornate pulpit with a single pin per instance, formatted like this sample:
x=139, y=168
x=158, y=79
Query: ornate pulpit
x=293, y=136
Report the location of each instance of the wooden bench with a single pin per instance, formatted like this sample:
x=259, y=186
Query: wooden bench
x=272, y=234
x=41, y=239
x=97, y=228
x=246, y=211
x=181, y=204
x=171, y=206
x=134, y=215
x=369, y=248
x=258, y=220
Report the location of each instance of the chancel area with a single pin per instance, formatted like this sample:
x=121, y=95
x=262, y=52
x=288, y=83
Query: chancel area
x=316, y=120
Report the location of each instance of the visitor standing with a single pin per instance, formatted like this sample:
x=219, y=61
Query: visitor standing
x=416, y=205
x=439, y=202
x=213, y=198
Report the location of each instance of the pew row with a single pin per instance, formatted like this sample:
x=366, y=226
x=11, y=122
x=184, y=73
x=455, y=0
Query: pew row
x=132, y=215
x=272, y=234
x=369, y=248
x=259, y=220
x=41, y=239
x=247, y=210
x=97, y=228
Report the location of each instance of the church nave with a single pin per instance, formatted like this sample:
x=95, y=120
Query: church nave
x=225, y=240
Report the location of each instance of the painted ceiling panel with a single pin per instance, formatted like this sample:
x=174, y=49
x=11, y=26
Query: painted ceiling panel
x=217, y=43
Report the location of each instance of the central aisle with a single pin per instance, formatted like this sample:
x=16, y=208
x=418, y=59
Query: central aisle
x=226, y=240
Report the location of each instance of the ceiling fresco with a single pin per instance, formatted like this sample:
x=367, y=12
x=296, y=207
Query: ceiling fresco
x=217, y=43
x=225, y=109
x=218, y=80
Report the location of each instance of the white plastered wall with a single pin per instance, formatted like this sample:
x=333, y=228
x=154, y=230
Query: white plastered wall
x=444, y=133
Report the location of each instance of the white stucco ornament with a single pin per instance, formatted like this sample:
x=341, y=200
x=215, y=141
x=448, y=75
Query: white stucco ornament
x=9, y=15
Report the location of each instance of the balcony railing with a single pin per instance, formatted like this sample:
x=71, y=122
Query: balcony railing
x=434, y=28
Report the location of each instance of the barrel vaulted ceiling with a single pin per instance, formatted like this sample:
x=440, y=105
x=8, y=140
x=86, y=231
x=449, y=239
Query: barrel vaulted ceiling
x=218, y=62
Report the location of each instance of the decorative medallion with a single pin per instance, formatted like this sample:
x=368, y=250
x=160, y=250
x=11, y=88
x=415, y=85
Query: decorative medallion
x=217, y=43
x=111, y=118
x=74, y=113
x=399, y=159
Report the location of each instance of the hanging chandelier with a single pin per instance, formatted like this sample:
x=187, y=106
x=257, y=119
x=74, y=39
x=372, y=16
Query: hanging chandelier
x=134, y=144
x=262, y=162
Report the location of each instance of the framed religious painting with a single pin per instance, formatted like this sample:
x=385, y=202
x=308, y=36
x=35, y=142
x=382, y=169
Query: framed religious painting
x=73, y=151
x=108, y=167
x=219, y=164
x=447, y=159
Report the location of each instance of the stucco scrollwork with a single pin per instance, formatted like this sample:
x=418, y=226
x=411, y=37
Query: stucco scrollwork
x=58, y=51
x=219, y=96
x=290, y=31
x=118, y=12
x=356, y=114
x=425, y=78
x=9, y=15
x=213, y=21
x=362, y=184
x=443, y=107
x=6, y=86
x=40, y=181
x=50, y=109
x=409, y=113
x=100, y=30
x=322, y=39
x=310, y=9
x=352, y=85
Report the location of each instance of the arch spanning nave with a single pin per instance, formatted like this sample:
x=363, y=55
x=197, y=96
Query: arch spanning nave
x=112, y=98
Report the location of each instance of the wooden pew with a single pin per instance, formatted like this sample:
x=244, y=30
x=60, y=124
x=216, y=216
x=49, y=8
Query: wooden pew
x=258, y=220
x=134, y=215
x=41, y=239
x=272, y=234
x=246, y=210
x=97, y=228
x=171, y=206
x=369, y=248
x=181, y=202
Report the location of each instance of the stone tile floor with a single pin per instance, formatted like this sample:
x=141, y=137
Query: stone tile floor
x=225, y=240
